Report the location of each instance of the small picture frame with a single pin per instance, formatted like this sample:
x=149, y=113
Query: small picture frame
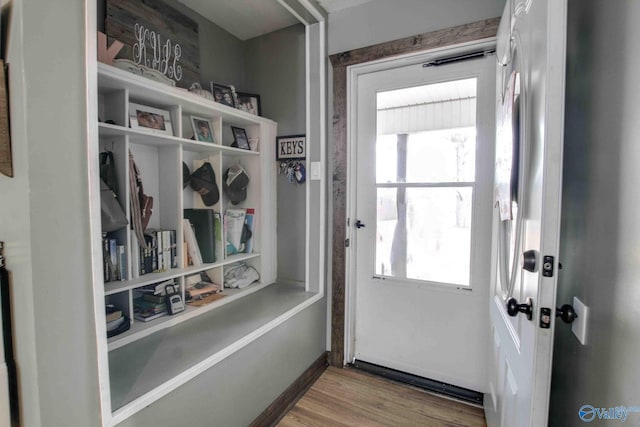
x=249, y=102
x=223, y=94
x=240, y=138
x=149, y=119
x=202, y=129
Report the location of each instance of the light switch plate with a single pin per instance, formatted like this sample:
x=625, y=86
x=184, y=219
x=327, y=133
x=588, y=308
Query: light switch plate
x=315, y=171
x=579, y=326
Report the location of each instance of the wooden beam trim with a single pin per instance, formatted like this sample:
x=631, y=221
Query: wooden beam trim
x=464, y=33
x=287, y=400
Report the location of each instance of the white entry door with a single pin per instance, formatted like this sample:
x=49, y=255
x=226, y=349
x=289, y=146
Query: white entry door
x=530, y=109
x=421, y=225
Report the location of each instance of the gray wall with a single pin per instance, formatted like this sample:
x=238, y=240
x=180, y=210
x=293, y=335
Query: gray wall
x=45, y=219
x=236, y=390
x=277, y=64
x=381, y=21
x=601, y=207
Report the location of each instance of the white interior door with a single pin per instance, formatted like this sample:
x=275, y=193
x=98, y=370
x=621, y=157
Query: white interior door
x=423, y=188
x=530, y=94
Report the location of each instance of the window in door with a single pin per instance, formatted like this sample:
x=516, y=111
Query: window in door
x=425, y=177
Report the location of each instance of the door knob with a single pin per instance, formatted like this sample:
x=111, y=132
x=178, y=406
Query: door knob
x=566, y=313
x=359, y=224
x=513, y=308
x=528, y=261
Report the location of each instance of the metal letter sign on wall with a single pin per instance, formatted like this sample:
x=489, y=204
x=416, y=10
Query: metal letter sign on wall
x=157, y=36
x=293, y=147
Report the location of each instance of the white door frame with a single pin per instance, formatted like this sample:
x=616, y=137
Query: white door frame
x=353, y=72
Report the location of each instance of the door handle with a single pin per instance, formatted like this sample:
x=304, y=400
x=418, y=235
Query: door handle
x=359, y=224
x=567, y=313
x=513, y=308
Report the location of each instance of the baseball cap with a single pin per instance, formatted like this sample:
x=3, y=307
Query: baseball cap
x=203, y=180
x=234, y=183
x=186, y=175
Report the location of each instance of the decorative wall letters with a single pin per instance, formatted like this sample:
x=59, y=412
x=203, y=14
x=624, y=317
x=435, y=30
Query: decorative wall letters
x=156, y=36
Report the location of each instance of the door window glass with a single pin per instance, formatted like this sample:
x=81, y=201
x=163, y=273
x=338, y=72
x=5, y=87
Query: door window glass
x=425, y=176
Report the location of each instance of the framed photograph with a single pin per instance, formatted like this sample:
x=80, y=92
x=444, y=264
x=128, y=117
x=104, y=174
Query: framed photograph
x=250, y=103
x=223, y=94
x=149, y=119
x=202, y=129
x=240, y=138
x=291, y=147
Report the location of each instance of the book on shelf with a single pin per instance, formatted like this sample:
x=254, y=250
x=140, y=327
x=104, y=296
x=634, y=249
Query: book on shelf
x=249, y=229
x=217, y=232
x=234, y=223
x=146, y=317
x=146, y=310
x=159, y=253
x=135, y=256
x=192, y=244
x=122, y=262
x=114, y=264
x=203, y=222
x=202, y=289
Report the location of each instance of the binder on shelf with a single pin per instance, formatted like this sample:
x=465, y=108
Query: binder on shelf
x=203, y=222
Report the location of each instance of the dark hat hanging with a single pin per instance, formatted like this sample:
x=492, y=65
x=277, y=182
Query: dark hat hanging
x=203, y=180
x=186, y=175
x=234, y=183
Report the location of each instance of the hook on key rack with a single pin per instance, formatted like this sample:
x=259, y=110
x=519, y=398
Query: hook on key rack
x=294, y=171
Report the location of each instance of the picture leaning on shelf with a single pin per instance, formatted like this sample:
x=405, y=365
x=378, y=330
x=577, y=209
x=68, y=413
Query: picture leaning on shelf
x=249, y=102
x=202, y=129
x=149, y=119
x=223, y=94
x=240, y=139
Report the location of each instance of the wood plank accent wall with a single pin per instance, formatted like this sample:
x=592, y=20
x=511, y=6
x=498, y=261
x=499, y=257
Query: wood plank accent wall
x=478, y=30
x=167, y=23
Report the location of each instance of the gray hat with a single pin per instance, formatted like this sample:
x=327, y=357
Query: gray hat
x=234, y=183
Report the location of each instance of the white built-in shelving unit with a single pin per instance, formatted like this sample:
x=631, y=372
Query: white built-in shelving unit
x=159, y=157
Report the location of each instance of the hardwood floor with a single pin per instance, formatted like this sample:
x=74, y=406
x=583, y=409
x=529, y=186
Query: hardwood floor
x=347, y=397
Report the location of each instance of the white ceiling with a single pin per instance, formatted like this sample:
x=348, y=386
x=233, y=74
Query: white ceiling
x=247, y=19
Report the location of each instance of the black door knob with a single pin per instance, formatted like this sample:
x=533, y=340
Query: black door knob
x=566, y=313
x=513, y=308
x=359, y=224
x=528, y=261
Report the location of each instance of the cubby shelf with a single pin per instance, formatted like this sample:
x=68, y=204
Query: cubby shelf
x=145, y=138
x=142, y=329
x=160, y=158
x=111, y=288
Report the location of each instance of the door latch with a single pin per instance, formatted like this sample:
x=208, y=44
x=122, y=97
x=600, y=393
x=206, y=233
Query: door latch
x=547, y=266
x=545, y=317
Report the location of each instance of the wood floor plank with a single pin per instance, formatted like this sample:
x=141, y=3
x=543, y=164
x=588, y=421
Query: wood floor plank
x=347, y=397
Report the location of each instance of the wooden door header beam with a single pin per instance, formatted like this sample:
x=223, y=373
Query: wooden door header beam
x=464, y=33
